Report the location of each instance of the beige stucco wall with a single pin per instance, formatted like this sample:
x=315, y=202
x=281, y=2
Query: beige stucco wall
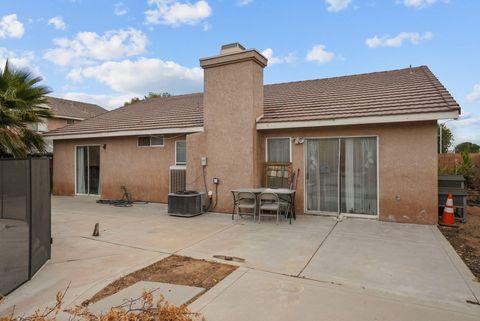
x=55, y=123
x=143, y=170
x=407, y=167
x=233, y=99
x=407, y=163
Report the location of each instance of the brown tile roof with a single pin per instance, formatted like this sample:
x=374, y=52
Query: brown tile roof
x=156, y=113
x=396, y=92
x=73, y=109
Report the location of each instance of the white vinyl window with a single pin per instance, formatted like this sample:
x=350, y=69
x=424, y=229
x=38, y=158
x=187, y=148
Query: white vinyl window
x=278, y=150
x=180, y=152
x=150, y=141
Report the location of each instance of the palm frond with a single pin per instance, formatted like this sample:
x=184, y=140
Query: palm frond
x=21, y=100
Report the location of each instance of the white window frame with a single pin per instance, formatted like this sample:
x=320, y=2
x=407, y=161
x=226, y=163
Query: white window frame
x=150, y=139
x=266, y=147
x=75, y=169
x=181, y=163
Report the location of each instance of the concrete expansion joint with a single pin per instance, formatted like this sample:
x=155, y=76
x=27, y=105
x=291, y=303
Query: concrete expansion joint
x=125, y=245
x=205, y=238
x=458, y=265
x=318, y=248
x=222, y=290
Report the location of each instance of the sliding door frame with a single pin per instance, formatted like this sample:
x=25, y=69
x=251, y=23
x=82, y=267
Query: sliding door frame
x=88, y=171
x=305, y=193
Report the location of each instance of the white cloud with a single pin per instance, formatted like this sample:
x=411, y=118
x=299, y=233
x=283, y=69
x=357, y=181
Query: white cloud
x=143, y=75
x=466, y=128
x=273, y=60
x=89, y=47
x=397, y=41
x=244, y=2
x=474, y=96
x=175, y=13
x=107, y=101
x=11, y=27
x=319, y=54
x=418, y=4
x=57, y=22
x=337, y=5
x=24, y=60
x=120, y=9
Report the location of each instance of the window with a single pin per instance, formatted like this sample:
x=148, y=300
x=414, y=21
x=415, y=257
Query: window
x=143, y=141
x=180, y=152
x=70, y=121
x=156, y=140
x=148, y=141
x=278, y=150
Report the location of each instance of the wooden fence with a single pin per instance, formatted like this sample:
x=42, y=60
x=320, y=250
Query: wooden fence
x=454, y=161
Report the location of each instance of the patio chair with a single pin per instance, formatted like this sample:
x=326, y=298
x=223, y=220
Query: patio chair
x=246, y=201
x=269, y=205
x=286, y=206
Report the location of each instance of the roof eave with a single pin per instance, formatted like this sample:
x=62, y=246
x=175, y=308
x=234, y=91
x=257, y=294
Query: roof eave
x=453, y=114
x=123, y=133
x=67, y=117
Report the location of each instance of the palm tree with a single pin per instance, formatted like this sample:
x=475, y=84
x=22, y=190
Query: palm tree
x=21, y=100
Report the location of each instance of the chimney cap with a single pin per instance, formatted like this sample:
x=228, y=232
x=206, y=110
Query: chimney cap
x=233, y=53
x=232, y=48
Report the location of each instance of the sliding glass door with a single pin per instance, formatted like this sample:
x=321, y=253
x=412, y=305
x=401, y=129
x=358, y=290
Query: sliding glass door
x=88, y=170
x=341, y=175
x=322, y=175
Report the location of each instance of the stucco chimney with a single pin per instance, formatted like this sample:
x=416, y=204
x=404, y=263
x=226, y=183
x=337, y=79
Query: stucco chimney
x=232, y=101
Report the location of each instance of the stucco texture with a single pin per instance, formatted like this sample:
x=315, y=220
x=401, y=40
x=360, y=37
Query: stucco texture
x=407, y=167
x=55, y=123
x=233, y=99
x=143, y=170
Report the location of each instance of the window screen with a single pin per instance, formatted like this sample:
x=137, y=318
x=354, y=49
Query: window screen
x=278, y=150
x=181, y=152
x=144, y=141
x=156, y=140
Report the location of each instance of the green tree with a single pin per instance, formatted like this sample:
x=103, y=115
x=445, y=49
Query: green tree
x=132, y=101
x=21, y=100
x=447, y=138
x=149, y=96
x=157, y=95
x=466, y=169
x=467, y=147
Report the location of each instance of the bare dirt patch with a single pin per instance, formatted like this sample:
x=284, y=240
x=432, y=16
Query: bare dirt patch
x=466, y=239
x=173, y=269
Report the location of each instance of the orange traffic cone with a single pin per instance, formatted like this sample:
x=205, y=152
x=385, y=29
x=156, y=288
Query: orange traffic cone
x=448, y=217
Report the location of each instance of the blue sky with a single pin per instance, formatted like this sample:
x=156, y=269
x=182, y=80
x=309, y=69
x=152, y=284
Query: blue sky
x=109, y=51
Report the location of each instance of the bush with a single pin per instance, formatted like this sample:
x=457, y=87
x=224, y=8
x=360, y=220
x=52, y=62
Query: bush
x=466, y=169
x=148, y=311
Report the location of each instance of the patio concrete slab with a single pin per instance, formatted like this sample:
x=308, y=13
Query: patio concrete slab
x=165, y=233
x=405, y=260
x=282, y=248
x=380, y=267
x=79, y=276
x=172, y=293
x=257, y=295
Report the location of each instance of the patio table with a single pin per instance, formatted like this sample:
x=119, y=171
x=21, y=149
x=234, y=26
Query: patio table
x=289, y=193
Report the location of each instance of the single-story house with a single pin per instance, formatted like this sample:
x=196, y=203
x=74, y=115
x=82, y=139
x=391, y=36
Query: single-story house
x=365, y=145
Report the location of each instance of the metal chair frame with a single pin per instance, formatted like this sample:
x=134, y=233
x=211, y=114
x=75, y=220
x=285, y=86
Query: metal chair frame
x=266, y=199
x=249, y=200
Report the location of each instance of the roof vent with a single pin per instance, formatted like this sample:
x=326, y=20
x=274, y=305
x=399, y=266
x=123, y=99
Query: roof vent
x=232, y=48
